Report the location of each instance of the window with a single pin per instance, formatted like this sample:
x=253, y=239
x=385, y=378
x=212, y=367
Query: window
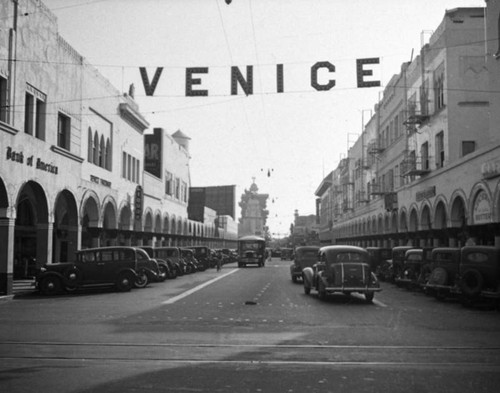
x=63, y=131
x=4, y=101
x=468, y=147
x=90, y=153
x=28, y=113
x=108, y=155
x=439, y=88
x=40, y=119
x=177, y=188
x=34, y=112
x=124, y=165
x=169, y=189
x=424, y=152
x=130, y=168
x=102, y=153
x=440, y=156
x=96, y=149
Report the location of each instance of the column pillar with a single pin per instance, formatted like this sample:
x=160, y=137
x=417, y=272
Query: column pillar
x=44, y=243
x=7, y=226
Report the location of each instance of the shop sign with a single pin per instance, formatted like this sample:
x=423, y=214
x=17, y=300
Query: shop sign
x=153, y=152
x=97, y=180
x=138, y=202
x=490, y=169
x=482, y=209
x=38, y=163
x=426, y=193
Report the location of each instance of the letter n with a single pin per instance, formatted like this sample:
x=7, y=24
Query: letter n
x=237, y=77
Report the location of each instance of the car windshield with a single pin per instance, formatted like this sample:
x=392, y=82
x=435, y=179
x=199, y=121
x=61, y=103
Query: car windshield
x=307, y=253
x=349, y=257
x=250, y=246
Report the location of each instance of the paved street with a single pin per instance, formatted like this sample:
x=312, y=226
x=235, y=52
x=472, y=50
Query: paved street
x=245, y=330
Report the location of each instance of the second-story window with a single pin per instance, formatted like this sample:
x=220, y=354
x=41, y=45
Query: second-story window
x=4, y=100
x=440, y=154
x=34, y=112
x=63, y=131
x=439, y=88
x=424, y=153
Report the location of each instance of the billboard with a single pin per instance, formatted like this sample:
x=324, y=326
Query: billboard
x=153, y=146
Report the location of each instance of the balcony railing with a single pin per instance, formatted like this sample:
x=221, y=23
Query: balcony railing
x=415, y=166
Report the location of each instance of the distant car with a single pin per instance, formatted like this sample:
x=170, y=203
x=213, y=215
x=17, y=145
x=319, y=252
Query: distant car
x=341, y=269
x=251, y=250
x=165, y=269
x=286, y=253
x=304, y=256
x=122, y=267
x=203, y=255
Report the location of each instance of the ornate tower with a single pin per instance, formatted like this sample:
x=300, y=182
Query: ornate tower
x=253, y=212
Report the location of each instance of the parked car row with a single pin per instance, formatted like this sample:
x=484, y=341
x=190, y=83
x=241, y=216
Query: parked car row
x=470, y=273
x=122, y=267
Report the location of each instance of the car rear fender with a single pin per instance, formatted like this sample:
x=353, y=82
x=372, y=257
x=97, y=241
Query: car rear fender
x=128, y=270
x=307, y=276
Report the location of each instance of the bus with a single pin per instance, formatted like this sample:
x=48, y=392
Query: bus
x=251, y=250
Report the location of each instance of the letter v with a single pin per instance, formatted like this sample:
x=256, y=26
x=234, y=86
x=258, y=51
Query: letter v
x=150, y=88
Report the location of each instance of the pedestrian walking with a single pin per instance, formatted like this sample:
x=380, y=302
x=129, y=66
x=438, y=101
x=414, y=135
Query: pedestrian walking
x=219, y=262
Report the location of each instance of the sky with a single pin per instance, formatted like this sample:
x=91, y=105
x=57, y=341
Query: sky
x=287, y=141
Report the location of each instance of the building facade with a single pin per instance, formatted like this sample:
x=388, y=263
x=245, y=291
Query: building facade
x=425, y=170
x=76, y=168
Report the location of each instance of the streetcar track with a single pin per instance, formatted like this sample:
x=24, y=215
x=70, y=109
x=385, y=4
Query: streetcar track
x=284, y=346
x=483, y=366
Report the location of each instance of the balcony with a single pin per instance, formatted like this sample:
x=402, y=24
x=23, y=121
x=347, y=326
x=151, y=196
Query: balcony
x=376, y=189
x=415, y=166
x=375, y=148
x=346, y=205
x=361, y=197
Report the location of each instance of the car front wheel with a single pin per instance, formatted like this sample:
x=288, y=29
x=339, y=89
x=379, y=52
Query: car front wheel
x=142, y=280
x=50, y=285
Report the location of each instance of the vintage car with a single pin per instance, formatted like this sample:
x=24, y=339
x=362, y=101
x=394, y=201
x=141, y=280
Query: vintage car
x=398, y=261
x=444, y=269
x=415, y=269
x=123, y=267
x=204, y=256
x=286, y=254
x=342, y=269
x=165, y=269
x=193, y=264
x=381, y=262
x=304, y=256
x=479, y=273
x=251, y=250
x=172, y=255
